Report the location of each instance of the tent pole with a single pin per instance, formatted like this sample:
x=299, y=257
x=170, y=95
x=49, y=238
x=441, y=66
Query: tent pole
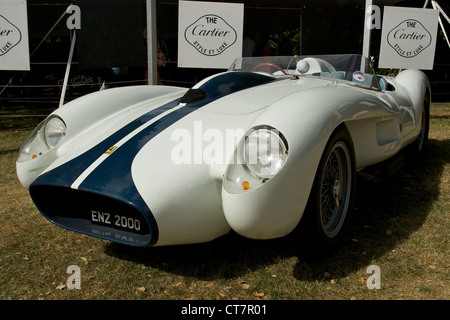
x=151, y=42
x=366, y=39
x=66, y=77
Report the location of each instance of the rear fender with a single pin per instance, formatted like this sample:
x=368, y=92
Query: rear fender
x=416, y=85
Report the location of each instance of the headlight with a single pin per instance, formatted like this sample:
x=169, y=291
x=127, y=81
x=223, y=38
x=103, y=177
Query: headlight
x=265, y=152
x=257, y=158
x=47, y=135
x=55, y=130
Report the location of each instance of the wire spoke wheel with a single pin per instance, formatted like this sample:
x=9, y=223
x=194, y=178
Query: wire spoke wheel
x=335, y=189
x=424, y=125
x=421, y=137
x=331, y=200
x=418, y=146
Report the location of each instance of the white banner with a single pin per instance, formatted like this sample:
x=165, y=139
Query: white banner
x=408, y=38
x=14, y=50
x=209, y=34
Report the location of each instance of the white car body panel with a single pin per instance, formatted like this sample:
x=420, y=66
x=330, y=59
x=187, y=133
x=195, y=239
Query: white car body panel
x=187, y=202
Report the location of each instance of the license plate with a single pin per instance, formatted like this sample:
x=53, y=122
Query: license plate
x=117, y=221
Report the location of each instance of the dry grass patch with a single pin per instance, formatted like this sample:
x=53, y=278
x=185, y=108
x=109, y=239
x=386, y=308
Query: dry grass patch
x=400, y=225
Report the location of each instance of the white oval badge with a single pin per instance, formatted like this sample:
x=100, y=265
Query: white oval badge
x=409, y=38
x=210, y=35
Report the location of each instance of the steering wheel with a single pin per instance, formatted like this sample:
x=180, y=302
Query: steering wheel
x=268, y=64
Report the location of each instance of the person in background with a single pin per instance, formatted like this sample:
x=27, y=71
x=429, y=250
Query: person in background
x=160, y=59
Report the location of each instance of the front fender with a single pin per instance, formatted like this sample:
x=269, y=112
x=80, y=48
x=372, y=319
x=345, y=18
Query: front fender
x=275, y=208
x=93, y=108
x=92, y=118
x=307, y=120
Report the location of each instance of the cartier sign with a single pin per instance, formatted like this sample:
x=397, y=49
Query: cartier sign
x=408, y=38
x=14, y=50
x=210, y=34
x=10, y=36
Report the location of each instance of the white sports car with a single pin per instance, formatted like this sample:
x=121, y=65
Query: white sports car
x=256, y=149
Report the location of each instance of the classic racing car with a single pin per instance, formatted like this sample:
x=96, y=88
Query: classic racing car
x=270, y=143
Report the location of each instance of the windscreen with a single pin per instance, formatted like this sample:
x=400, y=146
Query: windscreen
x=353, y=68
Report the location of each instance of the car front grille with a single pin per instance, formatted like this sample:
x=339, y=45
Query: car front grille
x=93, y=214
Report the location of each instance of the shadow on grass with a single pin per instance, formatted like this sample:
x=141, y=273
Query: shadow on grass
x=386, y=213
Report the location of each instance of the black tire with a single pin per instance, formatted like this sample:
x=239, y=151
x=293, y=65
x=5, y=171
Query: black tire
x=422, y=139
x=330, y=203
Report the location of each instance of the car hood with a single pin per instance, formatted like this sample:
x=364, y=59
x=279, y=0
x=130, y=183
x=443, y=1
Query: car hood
x=260, y=96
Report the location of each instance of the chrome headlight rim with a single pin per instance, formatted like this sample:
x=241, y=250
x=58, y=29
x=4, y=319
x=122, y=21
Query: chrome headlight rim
x=276, y=151
x=55, y=130
x=39, y=141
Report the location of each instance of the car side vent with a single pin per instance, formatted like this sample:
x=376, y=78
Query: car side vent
x=194, y=95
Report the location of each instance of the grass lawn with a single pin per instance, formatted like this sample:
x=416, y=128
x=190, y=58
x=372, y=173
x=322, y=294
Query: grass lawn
x=401, y=225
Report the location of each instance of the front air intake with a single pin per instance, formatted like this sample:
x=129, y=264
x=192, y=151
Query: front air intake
x=93, y=214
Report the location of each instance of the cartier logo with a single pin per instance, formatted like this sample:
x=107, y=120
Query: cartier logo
x=10, y=36
x=210, y=35
x=409, y=38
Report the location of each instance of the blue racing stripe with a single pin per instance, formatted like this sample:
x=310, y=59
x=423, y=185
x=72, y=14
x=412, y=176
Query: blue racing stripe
x=112, y=177
x=67, y=173
x=116, y=169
